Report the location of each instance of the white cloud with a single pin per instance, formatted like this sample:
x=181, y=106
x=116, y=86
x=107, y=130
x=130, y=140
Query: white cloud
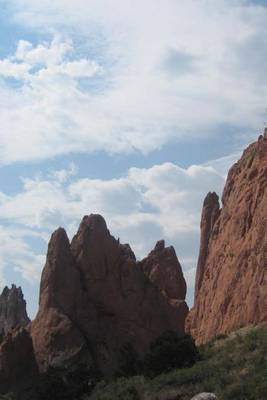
x=158, y=71
x=63, y=175
x=145, y=205
x=16, y=253
x=13, y=70
x=79, y=69
x=45, y=54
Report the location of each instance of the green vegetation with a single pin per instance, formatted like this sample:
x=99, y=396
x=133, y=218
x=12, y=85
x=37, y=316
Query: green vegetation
x=60, y=385
x=8, y=396
x=129, y=362
x=168, y=352
x=234, y=368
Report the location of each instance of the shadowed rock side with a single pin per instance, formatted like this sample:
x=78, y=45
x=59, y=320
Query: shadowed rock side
x=13, y=312
x=18, y=367
x=95, y=297
x=231, y=280
x=210, y=213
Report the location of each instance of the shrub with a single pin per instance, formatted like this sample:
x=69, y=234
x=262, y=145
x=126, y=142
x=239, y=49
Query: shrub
x=8, y=396
x=66, y=385
x=129, y=361
x=171, y=350
x=121, y=389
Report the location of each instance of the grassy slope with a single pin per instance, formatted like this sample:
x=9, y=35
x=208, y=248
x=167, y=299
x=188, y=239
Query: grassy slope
x=234, y=368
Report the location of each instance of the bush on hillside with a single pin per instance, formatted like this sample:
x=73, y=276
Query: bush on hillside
x=129, y=362
x=59, y=385
x=171, y=350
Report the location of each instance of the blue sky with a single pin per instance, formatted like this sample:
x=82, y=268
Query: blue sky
x=130, y=109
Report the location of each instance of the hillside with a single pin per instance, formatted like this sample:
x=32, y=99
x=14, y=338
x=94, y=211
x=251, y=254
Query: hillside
x=233, y=367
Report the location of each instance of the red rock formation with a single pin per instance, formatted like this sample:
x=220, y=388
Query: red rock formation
x=17, y=361
x=95, y=297
x=210, y=212
x=231, y=282
x=57, y=339
x=164, y=270
x=13, y=312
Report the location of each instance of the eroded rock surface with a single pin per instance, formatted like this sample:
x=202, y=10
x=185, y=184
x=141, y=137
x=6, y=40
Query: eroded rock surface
x=95, y=297
x=231, y=280
x=13, y=312
x=163, y=269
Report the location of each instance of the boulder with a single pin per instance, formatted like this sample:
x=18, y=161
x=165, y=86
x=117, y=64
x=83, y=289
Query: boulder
x=205, y=396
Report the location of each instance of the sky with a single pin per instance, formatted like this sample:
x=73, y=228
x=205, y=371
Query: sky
x=131, y=109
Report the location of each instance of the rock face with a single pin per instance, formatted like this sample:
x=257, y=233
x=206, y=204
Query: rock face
x=17, y=361
x=95, y=297
x=13, y=312
x=210, y=213
x=164, y=270
x=231, y=280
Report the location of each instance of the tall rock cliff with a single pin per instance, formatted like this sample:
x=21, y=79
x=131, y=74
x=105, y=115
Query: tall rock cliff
x=231, y=279
x=95, y=297
x=13, y=312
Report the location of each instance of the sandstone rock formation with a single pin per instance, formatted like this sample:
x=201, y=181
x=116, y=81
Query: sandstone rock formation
x=13, y=312
x=95, y=297
x=210, y=212
x=163, y=269
x=17, y=363
x=231, y=280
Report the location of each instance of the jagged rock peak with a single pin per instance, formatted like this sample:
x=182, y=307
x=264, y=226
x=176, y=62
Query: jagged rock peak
x=95, y=297
x=231, y=280
x=13, y=312
x=59, y=240
x=210, y=213
x=160, y=245
x=93, y=222
x=211, y=200
x=163, y=269
x=127, y=252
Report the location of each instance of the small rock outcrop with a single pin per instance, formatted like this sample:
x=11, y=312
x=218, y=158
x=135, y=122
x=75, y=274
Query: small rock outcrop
x=13, y=312
x=231, y=279
x=95, y=297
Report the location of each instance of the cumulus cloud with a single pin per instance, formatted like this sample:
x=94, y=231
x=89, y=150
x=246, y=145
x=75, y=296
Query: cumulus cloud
x=132, y=79
x=43, y=54
x=32, y=64
x=143, y=206
x=16, y=253
x=62, y=175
